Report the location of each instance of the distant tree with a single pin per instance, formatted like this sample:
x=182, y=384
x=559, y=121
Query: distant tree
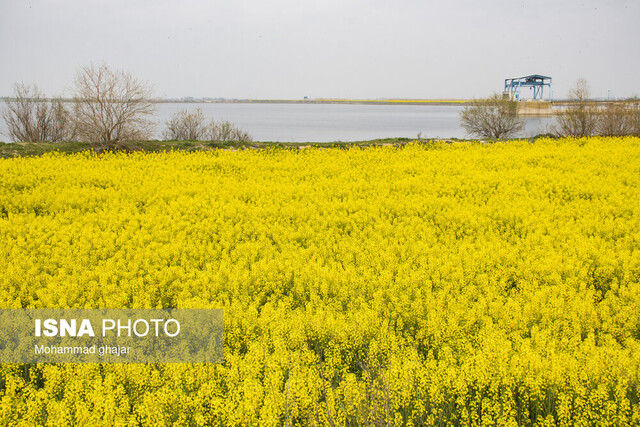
x=495, y=117
x=580, y=90
x=186, y=126
x=31, y=117
x=112, y=107
x=579, y=119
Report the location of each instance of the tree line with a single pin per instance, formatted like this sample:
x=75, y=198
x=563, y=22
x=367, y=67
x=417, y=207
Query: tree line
x=112, y=107
x=108, y=108
x=496, y=117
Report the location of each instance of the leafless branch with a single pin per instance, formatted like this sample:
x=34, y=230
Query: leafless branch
x=495, y=117
x=580, y=119
x=111, y=107
x=225, y=131
x=186, y=126
x=31, y=117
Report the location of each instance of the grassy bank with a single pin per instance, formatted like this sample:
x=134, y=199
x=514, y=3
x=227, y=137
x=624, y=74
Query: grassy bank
x=38, y=148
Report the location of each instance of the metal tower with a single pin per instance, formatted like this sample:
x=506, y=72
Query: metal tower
x=534, y=81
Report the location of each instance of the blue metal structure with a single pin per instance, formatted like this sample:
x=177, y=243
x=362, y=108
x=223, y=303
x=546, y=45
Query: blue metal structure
x=534, y=81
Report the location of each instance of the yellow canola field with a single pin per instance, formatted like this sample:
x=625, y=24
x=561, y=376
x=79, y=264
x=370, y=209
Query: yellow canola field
x=435, y=284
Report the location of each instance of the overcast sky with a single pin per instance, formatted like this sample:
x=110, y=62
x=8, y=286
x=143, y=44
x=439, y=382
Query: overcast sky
x=288, y=49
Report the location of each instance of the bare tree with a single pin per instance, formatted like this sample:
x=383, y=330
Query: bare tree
x=225, y=131
x=580, y=90
x=634, y=118
x=31, y=117
x=495, y=117
x=186, y=126
x=112, y=107
x=618, y=119
x=579, y=119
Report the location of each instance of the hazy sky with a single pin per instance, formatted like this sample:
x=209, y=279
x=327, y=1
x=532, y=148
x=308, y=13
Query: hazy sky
x=289, y=49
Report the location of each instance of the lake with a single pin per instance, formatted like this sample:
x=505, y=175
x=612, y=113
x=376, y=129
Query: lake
x=332, y=122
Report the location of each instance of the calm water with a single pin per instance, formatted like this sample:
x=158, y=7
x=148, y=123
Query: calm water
x=331, y=122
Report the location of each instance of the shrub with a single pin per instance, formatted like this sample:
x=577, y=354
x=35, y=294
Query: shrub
x=186, y=126
x=225, y=132
x=616, y=120
x=31, y=117
x=579, y=119
x=495, y=117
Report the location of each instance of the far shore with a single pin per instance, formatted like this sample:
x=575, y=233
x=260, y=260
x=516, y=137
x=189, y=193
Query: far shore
x=526, y=107
x=323, y=101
